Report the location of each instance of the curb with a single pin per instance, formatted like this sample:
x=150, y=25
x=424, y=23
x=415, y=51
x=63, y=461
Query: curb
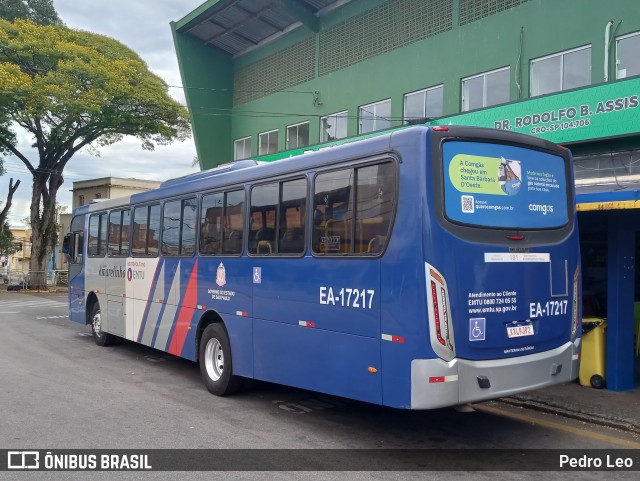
x=29, y=291
x=550, y=408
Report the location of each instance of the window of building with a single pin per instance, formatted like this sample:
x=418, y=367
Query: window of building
x=561, y=71
x=118, y=235
x=376, y=116
x=627, y=58
x=607, y=167
x=336, y=230
x=277, y=218
x=298, y=135
x=81, y=200
x=145, y=234
x=486, y=89
x=98, y=195
x=222, y=223
x=268, y=142
x=242, y=148
x=424, y=103
x=334, y=126
x=179, y=227
x=97, y=246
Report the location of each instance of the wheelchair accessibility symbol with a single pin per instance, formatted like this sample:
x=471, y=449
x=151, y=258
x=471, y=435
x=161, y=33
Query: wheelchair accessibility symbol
x=257, y=275
x=477, y=329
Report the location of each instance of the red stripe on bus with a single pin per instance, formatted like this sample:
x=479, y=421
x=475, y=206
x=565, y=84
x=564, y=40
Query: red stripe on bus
x=434, y=379
x=186, y=313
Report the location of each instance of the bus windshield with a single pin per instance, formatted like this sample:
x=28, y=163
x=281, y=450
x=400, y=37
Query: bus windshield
x=504, y=186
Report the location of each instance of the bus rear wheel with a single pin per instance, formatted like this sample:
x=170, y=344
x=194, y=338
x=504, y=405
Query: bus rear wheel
x=99, y=336
x=216, y=365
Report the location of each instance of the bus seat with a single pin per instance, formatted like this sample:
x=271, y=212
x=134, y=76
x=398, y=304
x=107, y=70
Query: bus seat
x=264, y=247
x=376, y=244
x=265, y=233
x=292, y=241
x=233, y=243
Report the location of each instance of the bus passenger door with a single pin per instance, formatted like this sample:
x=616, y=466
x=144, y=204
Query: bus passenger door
x=76, y=270
x=115, y=288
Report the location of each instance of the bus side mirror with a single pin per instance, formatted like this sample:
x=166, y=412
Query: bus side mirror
x=66, y=244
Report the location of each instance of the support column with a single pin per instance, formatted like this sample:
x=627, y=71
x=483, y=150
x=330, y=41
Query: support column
x=620, y=298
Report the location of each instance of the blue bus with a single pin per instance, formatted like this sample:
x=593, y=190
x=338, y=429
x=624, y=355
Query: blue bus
x=419, y=268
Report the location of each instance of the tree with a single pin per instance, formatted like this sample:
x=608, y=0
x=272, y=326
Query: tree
x=41, y=12
x=6, y=240
x=7, y=205
x=69, y=90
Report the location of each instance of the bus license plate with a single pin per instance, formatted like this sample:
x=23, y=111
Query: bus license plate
x=520, y=330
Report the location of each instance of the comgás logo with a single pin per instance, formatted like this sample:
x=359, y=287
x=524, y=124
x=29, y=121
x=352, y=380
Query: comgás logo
x=541, y=208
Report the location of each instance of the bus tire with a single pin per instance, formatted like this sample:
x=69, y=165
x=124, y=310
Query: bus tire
x=216, y=365
x=99, y=336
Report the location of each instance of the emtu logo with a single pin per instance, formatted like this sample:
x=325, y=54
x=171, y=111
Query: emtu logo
x=541, y=208
x=23, y=460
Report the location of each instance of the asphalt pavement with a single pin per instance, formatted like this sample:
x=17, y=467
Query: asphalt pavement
x=615, y=409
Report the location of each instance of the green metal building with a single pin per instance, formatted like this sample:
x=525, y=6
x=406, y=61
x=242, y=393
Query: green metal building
x=265, y=76
x=299, y=72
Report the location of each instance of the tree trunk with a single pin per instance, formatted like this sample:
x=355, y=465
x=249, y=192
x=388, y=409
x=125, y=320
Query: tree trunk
x=43, y=230
x=7, y=205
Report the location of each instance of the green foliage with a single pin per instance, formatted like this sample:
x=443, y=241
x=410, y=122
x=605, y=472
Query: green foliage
x=41, y=12
x=6, y=240
x=68, y=87
x=71, y=89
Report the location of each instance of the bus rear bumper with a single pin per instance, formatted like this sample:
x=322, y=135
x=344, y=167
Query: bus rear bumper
x=436, y=383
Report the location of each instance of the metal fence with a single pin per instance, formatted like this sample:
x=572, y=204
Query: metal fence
x=16, y=280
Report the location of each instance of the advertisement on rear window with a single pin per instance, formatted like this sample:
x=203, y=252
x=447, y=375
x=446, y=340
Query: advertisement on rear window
x=498, y=185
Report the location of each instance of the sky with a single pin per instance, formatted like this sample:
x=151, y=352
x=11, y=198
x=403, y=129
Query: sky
x=143, y=26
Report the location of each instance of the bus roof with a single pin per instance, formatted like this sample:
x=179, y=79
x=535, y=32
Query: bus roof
x=308, y=158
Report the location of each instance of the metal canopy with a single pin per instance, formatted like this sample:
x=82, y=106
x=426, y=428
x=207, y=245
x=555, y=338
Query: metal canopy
x=236, y=26
x=614, y=196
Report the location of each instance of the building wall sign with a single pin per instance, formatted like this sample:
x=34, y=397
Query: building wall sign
x=607, y=110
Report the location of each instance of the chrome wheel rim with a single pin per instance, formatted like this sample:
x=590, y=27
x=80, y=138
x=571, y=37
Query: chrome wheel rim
x=214, y=359
x=97, y=324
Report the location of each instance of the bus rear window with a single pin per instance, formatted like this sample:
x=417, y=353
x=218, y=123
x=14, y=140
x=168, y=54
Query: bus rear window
x=496, y=185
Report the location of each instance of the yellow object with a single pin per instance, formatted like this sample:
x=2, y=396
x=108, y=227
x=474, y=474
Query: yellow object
x=592, y=360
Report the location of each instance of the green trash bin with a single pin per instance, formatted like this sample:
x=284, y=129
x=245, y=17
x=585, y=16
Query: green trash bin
x=592, y=359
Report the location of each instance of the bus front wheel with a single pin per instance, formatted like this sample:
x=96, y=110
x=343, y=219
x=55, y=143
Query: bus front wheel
x=99, y=336
x=215, y=361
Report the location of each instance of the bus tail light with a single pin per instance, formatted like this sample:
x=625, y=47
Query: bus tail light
x=575, y=305
x=440, y=322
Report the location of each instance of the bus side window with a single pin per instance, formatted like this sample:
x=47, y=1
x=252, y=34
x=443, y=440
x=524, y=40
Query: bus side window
x=264, y=201
x=333, y=204
x=97, y=235
x=145, y=231
x=292, y=216
x=179, y=219
x=374, y=211
x=118, y=233
x=318, y=229
x=334, y=219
